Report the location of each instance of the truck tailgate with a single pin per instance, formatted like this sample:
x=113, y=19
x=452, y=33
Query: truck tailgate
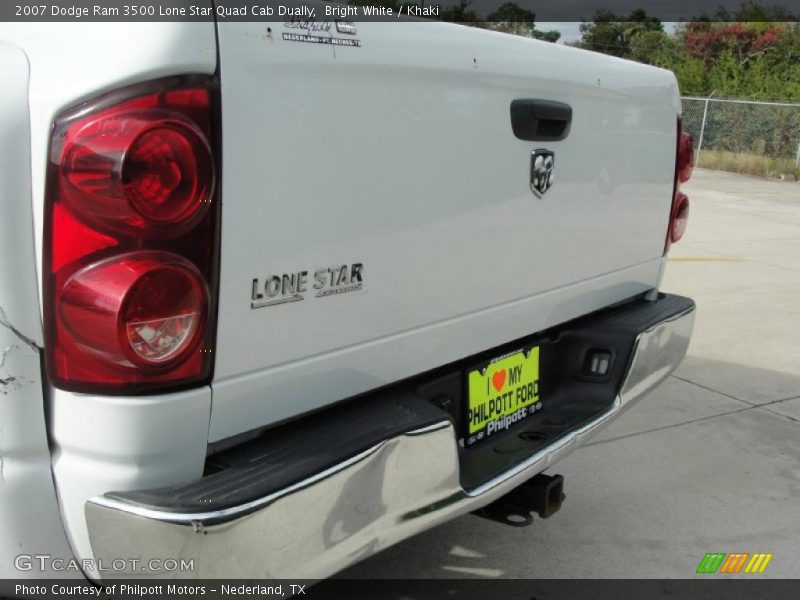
x=374, y=192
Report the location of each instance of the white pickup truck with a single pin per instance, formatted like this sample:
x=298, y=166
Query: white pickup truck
x=276, y=296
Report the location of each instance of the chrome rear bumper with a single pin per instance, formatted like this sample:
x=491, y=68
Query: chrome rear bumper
x=395, y=489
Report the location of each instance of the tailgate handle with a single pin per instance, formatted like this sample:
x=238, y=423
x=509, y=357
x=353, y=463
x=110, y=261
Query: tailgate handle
x=540, y=120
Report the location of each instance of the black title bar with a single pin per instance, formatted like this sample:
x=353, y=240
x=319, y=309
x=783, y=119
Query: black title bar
x=447, y=10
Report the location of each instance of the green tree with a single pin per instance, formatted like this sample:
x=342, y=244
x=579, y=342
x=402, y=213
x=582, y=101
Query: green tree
x=752, y=11
x=752, y=52
x=726, y=75
x=460, y=13
x=611, y=33
x=551, y=36
x=654, y=48
x=744, y=59
x=512, y=18
x=692, y=77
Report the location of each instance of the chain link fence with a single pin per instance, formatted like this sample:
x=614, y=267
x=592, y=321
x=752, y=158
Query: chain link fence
x=761, y=138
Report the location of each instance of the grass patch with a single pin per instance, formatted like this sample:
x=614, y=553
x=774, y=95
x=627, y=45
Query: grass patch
x=749, y=164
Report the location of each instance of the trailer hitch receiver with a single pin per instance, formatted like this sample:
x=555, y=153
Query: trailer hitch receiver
x=542, y=494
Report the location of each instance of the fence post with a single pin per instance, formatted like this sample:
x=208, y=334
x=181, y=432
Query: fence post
x=797, y=160
x=702, y=130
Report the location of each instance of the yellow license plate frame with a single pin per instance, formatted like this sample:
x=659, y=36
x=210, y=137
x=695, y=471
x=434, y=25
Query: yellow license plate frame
x=502, y=393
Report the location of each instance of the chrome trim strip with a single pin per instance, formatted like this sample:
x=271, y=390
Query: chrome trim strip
x=429, y=428
x=650, y=365
x=235, y=511
x=322, y=524
x=227, y=513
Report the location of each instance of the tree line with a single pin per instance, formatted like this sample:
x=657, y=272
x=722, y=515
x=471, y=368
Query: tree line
x=752, y=52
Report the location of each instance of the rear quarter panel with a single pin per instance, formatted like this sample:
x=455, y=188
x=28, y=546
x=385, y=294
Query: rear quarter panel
x=97, y=443
x=29, y=516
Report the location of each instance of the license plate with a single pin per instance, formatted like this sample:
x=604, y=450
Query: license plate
x=503, y=393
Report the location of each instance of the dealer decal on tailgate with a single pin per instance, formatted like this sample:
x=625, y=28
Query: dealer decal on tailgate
x=501, y=394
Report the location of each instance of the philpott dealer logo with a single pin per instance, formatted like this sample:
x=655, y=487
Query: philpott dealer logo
x=734, y=563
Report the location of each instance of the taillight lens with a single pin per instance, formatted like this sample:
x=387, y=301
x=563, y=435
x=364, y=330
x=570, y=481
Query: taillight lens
x=167, y=174
x=684, y=165
x=132, y=240
x=131, y=170
x=685, y=158
x=680, y=218
x=143, y=308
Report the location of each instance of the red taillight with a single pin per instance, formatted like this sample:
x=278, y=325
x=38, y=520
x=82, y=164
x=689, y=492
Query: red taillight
x=684, y=165
x=132, y=240
x=680, y=217
x=135, y=169
x=685, y=159
x=143, y=308
x=167, y=174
